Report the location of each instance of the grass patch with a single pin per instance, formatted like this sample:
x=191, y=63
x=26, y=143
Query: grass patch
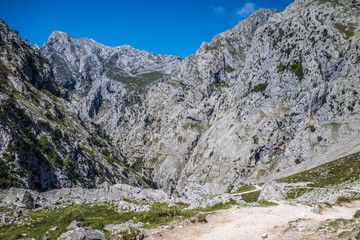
x=346, y=169
x=264, y=203
x=357, y=214
x=137, y=82
x=260, y=87
x=94, y=216
x=196, y=127
x=347, y=29
x=340, y=221
x=296, y=68
x=4, y=209
x=229, y=69
x=245, y=188
x=219, y=206
x=251, y=197
x=4, y=69
x=342, y=199
x=297, y=192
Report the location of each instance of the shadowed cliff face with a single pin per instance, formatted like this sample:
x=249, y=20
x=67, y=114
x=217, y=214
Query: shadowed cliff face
x=273, y=95
x=44, y=143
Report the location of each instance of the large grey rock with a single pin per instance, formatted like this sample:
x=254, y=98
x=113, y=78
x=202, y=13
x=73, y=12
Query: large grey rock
x=73, y=225
x=82, y=234
x=272, y=191
x=116, y=229
x=28, y=200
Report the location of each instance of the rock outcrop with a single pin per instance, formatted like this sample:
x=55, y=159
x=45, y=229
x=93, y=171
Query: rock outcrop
x=82, y=233
x=272, y=191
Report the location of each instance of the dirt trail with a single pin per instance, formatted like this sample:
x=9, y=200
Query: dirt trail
x=252, y=222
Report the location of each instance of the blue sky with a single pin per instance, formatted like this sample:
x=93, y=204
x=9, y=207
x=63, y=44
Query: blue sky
x=160, y=26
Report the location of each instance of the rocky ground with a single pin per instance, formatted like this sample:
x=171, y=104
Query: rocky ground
x=284, y=221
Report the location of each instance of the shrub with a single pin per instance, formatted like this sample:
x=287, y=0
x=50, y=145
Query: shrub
x=319, y=138
x=44, y=144
x=260, y=87
x=357, y=214
x=312, y=128
x=7, y=178
x=296, y=67
x=297, y=161
x=342, y=199
x=201, y=218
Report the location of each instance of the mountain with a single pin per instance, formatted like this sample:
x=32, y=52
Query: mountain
x=45, y=143
x=276, y=94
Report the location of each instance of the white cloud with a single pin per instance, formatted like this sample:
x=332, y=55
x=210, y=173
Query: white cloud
x=219, y=9
x=246, y=10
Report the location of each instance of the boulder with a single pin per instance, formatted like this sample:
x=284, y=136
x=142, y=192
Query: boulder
x=115, y=229
x=82, y=234
x=131, y=233
x=272, y=191
x=225, y=198
x=73, y=225
x=28, y=200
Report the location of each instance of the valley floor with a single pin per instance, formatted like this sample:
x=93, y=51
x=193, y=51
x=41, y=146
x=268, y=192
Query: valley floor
x=284, y=221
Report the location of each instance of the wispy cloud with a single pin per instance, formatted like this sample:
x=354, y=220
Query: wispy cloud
x=218, y=10
x=246, y=10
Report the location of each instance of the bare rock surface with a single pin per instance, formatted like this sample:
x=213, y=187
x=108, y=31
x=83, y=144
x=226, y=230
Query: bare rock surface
x=272, y=191
x=82, y=234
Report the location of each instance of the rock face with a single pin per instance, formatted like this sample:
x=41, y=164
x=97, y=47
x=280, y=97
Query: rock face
x=99, y=76
x=82, y=234
x=44, y=141
x=272, y=191
x=276, y=93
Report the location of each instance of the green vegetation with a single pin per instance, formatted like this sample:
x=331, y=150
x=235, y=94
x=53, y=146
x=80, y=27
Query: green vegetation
x=44, y=144
x=347, y=29
x=137, y=82
x=229, y=69
x=219, y=206
x=296, y=67
x=342, y=199
x=346, y=169
x=196, y=127
x=312, y=128
x=297, y=192
x=7, y=178
x=340, y=221
x=357, y=214
x=251, y=197
x=260, y=87
x=245, y=188
x=88, y=151
x=201, y=218
x=3, y=69
x=137, y=165
x=98, y=216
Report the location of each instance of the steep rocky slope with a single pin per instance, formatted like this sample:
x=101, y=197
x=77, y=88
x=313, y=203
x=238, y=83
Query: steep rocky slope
x=44, y=142
x=99, y=76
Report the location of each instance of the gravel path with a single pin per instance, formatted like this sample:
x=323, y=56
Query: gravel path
x=253, y=222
